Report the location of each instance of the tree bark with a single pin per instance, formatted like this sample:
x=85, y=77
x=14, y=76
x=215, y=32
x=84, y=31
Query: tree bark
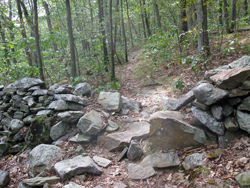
x=233, y=19
x=130, y=30
x=2, y=32
x=143, y=22
x=124, y=35
x=226, y=15
x=157, y=14
x=184, y=25
x=245, y=8
x=220, y=12
x=203, y=41
x=71, y=40
x=46, y=7
x=146, y=18
x=23, y=31
x=111, y=43
x=40, y=62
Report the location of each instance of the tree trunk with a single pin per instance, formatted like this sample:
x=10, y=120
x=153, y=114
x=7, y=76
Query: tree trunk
x=146, y=18
x=91, y=13
x=131, y=35
x=220, y=12
x=157, y=14
x=111, y=43
x=184, y=25
x=143, y=22
x=104, y=46
x=116, y=22
x=203, y=42
x=71, y=39
x=40, y=62
x=46, y=7
x=2, y=32
x=226, y=16
x=23, y=31
x=124, y=34
x=245, y=8
x=233, y=20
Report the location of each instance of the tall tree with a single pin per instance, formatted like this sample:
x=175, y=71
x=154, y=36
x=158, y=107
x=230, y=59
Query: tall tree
x=11, y=26
x=71, y=39
x=146, y=18
x=124, y=34
x=2, y=32
x=157, y=14
x=184, y=24
x=111, y=43
x=143, y=22
x=233, y=19
x=226, y=16
x=129, y=25
x=245, y=7
x=46, y=7
x=220, y=12
x=203, y=41
x=39, y=54
x=23, y=31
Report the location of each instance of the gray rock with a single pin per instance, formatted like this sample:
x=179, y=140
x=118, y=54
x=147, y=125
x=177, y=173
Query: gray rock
x=1, y=87
x=245, y=85
x=4, y=147
x=30, y=100
x=16, y=148
x=209, y=121
x=135, y=151
x=70, y=116
x=119, y=140
x=72, y=98
x=6, y=123
x=23, y=185
x=122, y=154
x=112, y=126
x=39, y=131
x=193, y=161
x=18, y=115
x=43, y=157
x=73, y=185
x=24, y=108
x=167, y=103
x=161, y=160
x=234, y=101
x=75, y=166
x=4, y=178
x=74, y=106
x=45, y=112
x=34, y=88
x=120, y=185
x=230, y=124
x=110, y=101
x=243, y=120
x=228, y=137
x=64, y=89
x=138, y=172
x=58, y=105
x=207, y=94
x=238, y=92
x=25, y=83
x=40, y=92
x=29, y=119
x=16, y=125
x=245, y=104
x=186, y=99
x=54, y=87
x=200, y=105
x=243, y=179
x=168, y=131
x=40, y=181
x=58, y=130
x=60, y=141
x=80, y=138
x=16, y=100
x=91, y=123
x=232, y=78
x=129, y=105
x=216, y=111
x=102, y=161
x=82, y=89
x=227, y=110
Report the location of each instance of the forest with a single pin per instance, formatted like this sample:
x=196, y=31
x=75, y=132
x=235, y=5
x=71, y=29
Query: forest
x=86, y=40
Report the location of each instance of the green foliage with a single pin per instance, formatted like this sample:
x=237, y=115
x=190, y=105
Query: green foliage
x=178, y=84
x=110, y=86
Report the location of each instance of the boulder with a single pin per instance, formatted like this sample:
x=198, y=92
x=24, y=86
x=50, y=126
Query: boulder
x=135, y=151
x=75, y=166
x=4, y=178
x=72, y=98
x=168, y=131
x=193, y=161
x=243, y=179
x=161, y=160
x=208, y=120
x=91, y=123
x=39, y=131
x=25, y=83
x=40, y=181
x=138, y=172
x=217, y=112
x=207, y=94
x=63, y=89
x=230, y=124
x=112, y=126
x=243, y=120
x=102, y=161
x=119, y=140
x=30, y=100
x=70, y=116
x=58, y=130
x=40, y=92
x=232, y=78
x=245, y=104
x=58, y=105
x=186, y=99
x=82, y=89
x=43, y=157
x=16, y=125
x=129, y=105
x=110, y=101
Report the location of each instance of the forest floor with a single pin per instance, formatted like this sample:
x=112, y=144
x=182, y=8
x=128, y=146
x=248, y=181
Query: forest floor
x=147, y=84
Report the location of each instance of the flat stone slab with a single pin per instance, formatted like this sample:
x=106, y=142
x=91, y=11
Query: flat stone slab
x=193, y=161
x=40, y=181
x=70, y=116
x=138, y=172
x=102, y=161
x=120, y=140
x=72, y=98
x=232, y=78
x=110, y=101
x=243, y=120
x=161, y=160
x=186, y=99
x=75, y=166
